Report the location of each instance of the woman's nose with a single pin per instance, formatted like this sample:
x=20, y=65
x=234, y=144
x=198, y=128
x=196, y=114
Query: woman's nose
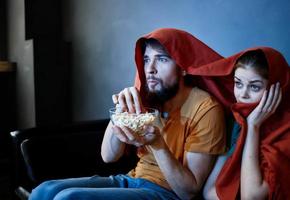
x=245, y=93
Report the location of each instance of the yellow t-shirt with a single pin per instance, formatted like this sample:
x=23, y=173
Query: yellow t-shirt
x=198, y=126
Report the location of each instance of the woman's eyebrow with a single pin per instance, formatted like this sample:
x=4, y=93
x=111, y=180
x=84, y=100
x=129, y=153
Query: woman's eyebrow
x=237, y=78
x=251, y=81
x=256, y=81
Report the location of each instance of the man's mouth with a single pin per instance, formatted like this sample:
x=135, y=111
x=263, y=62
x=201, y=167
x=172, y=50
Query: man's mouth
x=152, y=82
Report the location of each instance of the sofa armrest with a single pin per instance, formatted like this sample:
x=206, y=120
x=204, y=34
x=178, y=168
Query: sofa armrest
x=73, y=150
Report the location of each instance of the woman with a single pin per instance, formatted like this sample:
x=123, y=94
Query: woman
x=258, y=162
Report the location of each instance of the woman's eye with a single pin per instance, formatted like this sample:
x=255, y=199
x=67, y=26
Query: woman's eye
x=255, y=88
x=238, y=84
x=146, y=60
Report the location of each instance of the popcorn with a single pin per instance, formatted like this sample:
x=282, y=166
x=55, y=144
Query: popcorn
x=135, y=122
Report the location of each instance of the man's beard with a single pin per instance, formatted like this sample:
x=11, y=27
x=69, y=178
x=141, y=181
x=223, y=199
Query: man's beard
x=158, y=98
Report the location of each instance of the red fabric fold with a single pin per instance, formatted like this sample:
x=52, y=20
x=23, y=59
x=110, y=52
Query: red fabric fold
x=215, y=75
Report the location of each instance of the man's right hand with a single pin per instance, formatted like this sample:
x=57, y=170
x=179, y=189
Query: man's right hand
x=128, y=100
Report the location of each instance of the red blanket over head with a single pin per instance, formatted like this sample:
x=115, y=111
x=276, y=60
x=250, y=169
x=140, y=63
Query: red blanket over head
x=186, y=50
x=215, y=75
x=275, y=131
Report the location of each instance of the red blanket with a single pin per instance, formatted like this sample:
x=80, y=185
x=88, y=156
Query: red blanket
x=186, y=50
x=275, y=131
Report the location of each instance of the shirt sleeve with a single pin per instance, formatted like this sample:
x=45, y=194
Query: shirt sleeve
x=207, y=130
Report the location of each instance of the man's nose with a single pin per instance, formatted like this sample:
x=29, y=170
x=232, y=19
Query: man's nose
x=151, y=67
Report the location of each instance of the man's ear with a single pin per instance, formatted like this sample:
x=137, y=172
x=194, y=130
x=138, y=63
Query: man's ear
x=183, y=72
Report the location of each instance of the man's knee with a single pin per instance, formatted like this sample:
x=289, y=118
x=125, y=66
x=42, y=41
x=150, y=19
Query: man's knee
x=69, y=194
x=45, y=190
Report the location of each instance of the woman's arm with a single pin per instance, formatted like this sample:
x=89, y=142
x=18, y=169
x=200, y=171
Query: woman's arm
x=253, y=186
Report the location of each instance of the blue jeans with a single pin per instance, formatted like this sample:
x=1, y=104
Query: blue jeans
x=119, y=187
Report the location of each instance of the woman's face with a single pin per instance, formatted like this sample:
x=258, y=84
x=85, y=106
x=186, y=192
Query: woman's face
x=249, y=85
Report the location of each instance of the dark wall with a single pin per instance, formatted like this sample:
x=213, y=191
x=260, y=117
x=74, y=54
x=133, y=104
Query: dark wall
x=43, y=19
x=3, y=31
x=51, y=61
x=7, y=110
x=103, y=35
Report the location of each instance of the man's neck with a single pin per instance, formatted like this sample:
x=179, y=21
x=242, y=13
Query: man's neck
x=178, y=100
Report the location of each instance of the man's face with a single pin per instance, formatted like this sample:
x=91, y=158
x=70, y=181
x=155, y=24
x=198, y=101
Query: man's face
x=162, y=73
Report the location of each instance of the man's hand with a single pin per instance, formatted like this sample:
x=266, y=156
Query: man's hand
x=153, y=137
x=150, y=137
x=126, y=135
x=128, y=100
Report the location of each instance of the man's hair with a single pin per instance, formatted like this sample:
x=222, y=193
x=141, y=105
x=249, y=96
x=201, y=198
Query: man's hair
x=155, y=44
x=256, y=60
x=189, y=80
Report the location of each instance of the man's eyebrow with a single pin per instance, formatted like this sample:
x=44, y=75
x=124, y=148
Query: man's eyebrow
x=158, y=55
x=162, y=55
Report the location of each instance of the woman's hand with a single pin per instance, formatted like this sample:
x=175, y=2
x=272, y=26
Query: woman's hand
x=267, y=106
x=253, y=185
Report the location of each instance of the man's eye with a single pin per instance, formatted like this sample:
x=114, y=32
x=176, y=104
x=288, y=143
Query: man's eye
x=161, y=59
x=238, y=84
x=255, y=88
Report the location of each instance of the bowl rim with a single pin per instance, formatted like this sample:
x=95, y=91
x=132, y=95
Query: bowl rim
x=148, y=109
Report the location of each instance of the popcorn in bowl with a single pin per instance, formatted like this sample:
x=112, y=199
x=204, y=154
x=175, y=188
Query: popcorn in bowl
x=134, y=121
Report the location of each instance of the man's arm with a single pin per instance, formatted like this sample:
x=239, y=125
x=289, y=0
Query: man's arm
x=112, y=147
x=209, y=190
x=116, y=138
x=185, y=180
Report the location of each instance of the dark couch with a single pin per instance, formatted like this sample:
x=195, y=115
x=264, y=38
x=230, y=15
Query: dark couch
x=72, y=150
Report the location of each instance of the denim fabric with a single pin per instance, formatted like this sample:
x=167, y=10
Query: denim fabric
x=119, y=187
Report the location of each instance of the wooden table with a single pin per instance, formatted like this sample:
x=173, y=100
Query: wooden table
x=6, y=66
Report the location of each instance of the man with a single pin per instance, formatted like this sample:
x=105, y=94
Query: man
x=177, y=152
x=180, y=151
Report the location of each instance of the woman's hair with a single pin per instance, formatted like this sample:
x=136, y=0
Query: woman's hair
x=256, y=60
